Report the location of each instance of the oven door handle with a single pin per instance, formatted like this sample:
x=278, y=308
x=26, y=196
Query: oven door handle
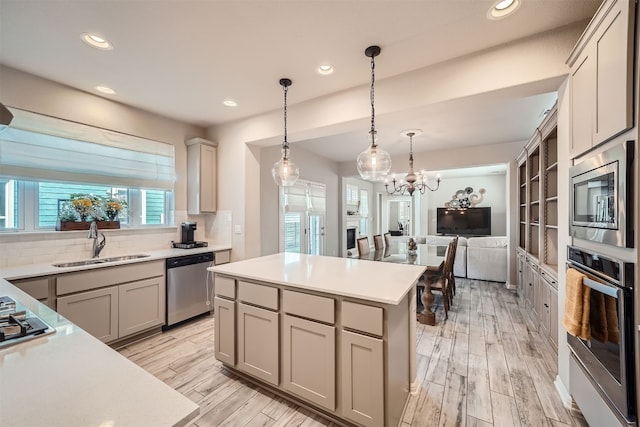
x=601, y=287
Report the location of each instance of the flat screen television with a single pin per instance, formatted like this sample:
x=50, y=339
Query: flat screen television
x=465, y=222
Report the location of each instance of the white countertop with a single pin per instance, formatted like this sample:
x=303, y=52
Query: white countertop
x=382, y=282
x=35, y=270
x=70, y=378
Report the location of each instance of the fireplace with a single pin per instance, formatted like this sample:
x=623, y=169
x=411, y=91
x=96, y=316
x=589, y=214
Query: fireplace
x=351, y=238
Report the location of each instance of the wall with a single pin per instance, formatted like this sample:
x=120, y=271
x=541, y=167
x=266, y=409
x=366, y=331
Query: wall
x=495, y=197
x=32, y=93
x=312, y=168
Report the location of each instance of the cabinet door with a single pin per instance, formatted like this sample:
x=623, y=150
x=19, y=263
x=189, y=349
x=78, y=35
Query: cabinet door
x=553, y=316
x=141, y=305
x=362, y=379
x=225, y=337
x=614, y=73
x=545, y=309
x=37, y=287
x=258, y=345
x=208, y=157
x=94, y=311
x=309, y=361
x=583, y=81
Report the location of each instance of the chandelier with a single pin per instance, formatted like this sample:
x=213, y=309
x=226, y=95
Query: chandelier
x=373, y=163
x=285, y=172
x=412, y=181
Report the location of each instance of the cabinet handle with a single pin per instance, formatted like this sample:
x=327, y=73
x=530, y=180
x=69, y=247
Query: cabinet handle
x=546, y=305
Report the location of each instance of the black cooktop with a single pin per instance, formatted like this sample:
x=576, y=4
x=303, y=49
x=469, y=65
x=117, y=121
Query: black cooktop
x=18, y=324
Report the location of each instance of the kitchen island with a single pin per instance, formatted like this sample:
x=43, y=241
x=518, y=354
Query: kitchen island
x=69, y=378
x=336, y=335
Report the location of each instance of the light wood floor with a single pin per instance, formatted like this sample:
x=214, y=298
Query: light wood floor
x=484, y=366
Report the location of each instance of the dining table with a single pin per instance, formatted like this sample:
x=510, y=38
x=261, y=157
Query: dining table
x=430, y=256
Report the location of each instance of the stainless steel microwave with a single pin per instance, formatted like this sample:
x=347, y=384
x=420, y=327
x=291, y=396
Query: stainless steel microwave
x=601, y=205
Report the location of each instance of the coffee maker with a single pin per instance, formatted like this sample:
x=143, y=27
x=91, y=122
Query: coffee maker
x=187, y=240
x=187, y=231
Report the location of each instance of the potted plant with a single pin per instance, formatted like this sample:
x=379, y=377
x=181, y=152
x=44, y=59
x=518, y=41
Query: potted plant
x=86, y=205
x=112, y=207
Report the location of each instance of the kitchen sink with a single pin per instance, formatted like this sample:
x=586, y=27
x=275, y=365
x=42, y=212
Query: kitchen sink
x=99, y=261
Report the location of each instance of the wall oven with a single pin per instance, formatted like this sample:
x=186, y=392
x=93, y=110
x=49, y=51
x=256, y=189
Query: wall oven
x=606, y=359
x=601, y=208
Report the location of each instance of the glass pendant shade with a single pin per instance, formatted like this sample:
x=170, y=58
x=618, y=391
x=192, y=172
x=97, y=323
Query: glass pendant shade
x=374, y=164
x=285, y=172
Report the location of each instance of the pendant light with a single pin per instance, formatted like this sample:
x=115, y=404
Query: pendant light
x=373, y=163
x=285, y=172
x=412, y=182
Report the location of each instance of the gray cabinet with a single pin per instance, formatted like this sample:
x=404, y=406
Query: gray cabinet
x=94, y=311
x=309, y=366
x=37, y=287
x=258, y=344
x=141, y=305
x=362, y=373
x=114, y=302
x=549, y=309
x=601, y=77
x=201, y=176
x=225, y=343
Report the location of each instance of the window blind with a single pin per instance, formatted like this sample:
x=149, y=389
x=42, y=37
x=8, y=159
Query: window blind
x=364, y=203
x=304, y=196
x=40, y=147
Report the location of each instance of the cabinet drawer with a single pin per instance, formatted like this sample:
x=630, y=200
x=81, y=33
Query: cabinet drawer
x=309, y=306
x=223, y=257
x=260, y=295
x=362, y=317
x=551, y=280
x=107, y=276
x=225, y=287
x=37, y=288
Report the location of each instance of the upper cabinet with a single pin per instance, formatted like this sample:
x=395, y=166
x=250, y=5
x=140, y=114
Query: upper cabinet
x=201, y=176
x=602, y=77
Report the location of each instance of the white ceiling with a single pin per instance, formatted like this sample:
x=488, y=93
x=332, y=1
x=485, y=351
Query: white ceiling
x=182, y=58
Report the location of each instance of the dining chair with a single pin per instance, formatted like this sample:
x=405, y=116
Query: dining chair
x=363, y=245
x=387, y=239
x=442, y=282
x=453, y=277
x=378, y=243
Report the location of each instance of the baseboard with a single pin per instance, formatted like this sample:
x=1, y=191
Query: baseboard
x=509, y=286
x=565, y=396
x=415, y=387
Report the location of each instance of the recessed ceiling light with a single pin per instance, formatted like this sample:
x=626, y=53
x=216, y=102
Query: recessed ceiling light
x=503, y=8
x=96, y=41
x=230, y=103
x=105, y=89
x=325, y=69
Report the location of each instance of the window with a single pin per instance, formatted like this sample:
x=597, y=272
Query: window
x=364, y=212
x=302, y=217
x=33, y=206
x=45, y=160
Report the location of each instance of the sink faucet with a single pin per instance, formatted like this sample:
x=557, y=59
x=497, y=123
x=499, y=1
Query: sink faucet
x=93, y=234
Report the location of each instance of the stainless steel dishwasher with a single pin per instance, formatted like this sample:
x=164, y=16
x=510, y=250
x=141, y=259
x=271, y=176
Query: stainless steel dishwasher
x=189, y=287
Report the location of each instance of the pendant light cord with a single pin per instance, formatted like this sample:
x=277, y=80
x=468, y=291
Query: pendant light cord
x=285, y=144
x=373, y=108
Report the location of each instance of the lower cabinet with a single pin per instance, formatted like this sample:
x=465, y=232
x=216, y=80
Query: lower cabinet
x=141, y=305
x=362, y=379
x=37, y=287
x=225, y=341
x=349, y=358
x=549, y=317
x=114, y=302
x=94, y=311
x=309, y=366
x=258, y=342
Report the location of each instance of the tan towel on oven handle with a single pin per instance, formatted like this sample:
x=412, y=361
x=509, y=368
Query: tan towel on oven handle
x=576, y=305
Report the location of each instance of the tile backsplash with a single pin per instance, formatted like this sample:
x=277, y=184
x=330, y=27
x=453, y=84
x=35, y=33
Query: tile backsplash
x=47, y=247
